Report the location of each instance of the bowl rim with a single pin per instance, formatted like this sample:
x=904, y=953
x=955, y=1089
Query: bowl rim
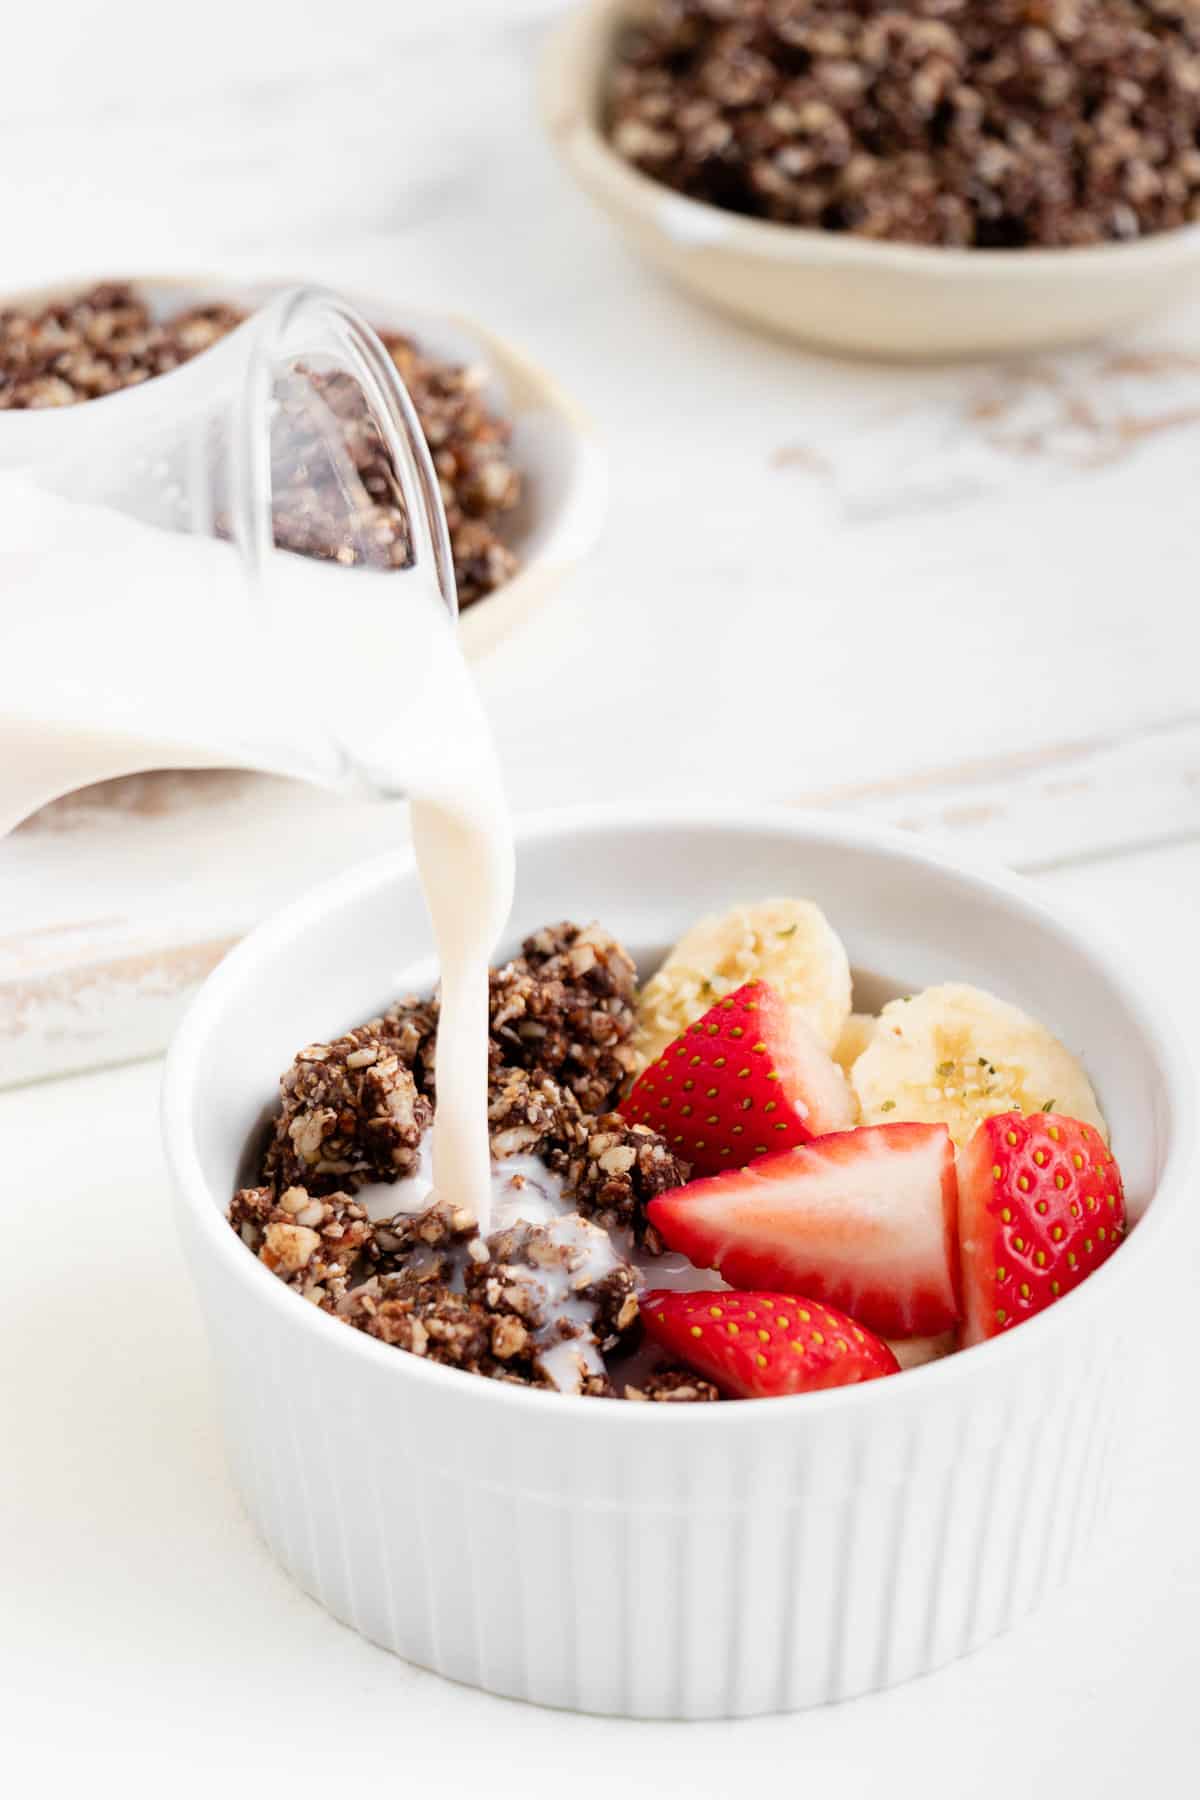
x=207, y=1211
x=571, y=71
x=257, y=288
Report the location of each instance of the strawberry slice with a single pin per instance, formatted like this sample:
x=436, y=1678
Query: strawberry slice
x=865, y=1220
x=758, y=1346
x=749, y=1077
x=1041, y=1204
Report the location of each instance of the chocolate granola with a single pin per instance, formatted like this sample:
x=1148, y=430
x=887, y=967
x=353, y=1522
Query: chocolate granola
x=315, y=1243
x=1011, y=124
x=526, y=1263
x=496, y=1309
x=548, y=1295
x=411, y=1027
x=563, y=1008
x=678, y=1386
x=530, y=1114
x=566, y=1005
x=351, y=1113
x=618, y=1171
x=100, y=341
x=441, y=1326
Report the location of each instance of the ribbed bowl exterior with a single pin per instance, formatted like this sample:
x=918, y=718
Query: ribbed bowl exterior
x=705, y=1574
x=676, y=1561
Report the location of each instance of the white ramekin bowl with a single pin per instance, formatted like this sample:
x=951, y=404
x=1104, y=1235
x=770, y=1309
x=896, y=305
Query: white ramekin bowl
x=655, y=1561
x=831, y=289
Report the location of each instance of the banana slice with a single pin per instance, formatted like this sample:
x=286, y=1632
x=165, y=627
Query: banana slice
x=956, y=1054
x=857, y=1033
x=789, y=943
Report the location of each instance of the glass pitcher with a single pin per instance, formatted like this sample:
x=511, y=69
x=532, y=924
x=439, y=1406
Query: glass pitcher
x=154, y=611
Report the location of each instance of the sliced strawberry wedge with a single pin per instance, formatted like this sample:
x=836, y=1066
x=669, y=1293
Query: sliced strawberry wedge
x=761, y=1346
x=864, y=1220
x=748, y=1078
x=1040, y=1206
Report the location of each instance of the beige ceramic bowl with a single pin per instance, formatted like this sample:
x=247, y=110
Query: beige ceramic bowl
x=836, y=291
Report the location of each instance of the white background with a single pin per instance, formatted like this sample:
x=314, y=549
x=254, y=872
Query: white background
x=144, y=1633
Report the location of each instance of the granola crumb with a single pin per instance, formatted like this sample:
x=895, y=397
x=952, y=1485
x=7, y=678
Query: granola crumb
x=673, y=1387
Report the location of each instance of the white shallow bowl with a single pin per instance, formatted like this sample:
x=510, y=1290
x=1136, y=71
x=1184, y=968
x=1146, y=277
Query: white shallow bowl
x=831, y=289
x=652, y=1561
x=553, y=442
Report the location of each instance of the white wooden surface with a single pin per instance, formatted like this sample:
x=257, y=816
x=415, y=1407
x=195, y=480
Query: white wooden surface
x=960, y=599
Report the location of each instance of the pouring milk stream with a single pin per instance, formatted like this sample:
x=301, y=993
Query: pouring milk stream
x=139, y=652
x=441, y=754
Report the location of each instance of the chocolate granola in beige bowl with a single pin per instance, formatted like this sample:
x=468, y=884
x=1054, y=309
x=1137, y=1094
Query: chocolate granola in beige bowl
x=833, y=289
x=688, y=1561
x=525, y=483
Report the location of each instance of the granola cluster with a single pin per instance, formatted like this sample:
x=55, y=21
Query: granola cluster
x=545, y=1298
x=531, y=1114
x=566, y=1005
x=106, y=339
x=1011, y=124
x=618, y=1170
x=351, y=1113
x=610, y=1169
x=315, y=1243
